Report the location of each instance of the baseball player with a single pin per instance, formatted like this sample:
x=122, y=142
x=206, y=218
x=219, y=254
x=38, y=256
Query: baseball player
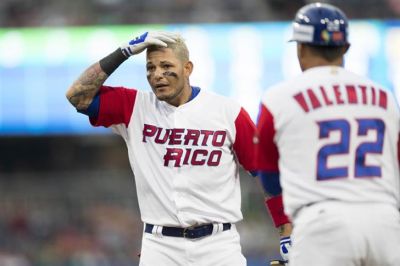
x=330, y=138
x=184, y=144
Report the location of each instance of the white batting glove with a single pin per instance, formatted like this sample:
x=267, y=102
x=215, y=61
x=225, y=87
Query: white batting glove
x=139, y=44
x=285, y=246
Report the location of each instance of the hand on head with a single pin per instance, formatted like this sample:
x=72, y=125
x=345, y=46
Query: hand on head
x=140, y=43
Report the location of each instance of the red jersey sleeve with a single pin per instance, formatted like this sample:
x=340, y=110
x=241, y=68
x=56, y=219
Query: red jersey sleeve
x=267, y=164
x=268, y=156
x=116, y=106
x=245, y=145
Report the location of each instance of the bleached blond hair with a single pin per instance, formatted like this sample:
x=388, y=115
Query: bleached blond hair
x=178, y=47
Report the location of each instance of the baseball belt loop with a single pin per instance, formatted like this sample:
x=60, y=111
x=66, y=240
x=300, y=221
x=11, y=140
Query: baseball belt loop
x=217, y=227
x=185, y=232
x=157, y=230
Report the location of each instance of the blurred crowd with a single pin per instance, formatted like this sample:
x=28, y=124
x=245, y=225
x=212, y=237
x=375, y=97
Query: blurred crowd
x=30, y=13
x=59, y=209
x=71, y=201
x=102, y=236
x=92, y=219
x=63, y=216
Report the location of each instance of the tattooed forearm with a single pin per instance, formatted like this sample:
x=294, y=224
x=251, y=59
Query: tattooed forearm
x=82, y=91
x=78, y=99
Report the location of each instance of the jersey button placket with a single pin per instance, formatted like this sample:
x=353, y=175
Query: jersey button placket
x=177, y=183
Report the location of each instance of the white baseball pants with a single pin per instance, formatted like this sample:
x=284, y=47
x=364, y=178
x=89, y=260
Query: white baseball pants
x=346, y=234
x=219, y=249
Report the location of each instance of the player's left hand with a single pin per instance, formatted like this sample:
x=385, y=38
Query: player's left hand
x=285, y=246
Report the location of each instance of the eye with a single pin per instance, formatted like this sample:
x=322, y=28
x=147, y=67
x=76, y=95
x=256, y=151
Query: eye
x=166, y=66
x=150, y=68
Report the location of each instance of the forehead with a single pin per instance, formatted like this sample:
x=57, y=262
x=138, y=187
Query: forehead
x=161, y=54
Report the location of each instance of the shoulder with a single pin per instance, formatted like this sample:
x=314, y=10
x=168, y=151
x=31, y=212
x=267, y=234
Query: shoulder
x=220, y=104
x=354, y=78
x=220, y=100
x=280, y=89
x=145, y=96
x=111, y=91
x=213, y=96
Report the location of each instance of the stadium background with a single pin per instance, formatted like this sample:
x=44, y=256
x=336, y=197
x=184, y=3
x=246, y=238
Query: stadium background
x=67, y=195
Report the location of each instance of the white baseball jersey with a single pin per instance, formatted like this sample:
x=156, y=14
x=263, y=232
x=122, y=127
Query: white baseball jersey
x=185, y=159
x=332, y=135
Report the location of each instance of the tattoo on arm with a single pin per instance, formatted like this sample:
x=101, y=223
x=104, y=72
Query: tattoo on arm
x=86, y=86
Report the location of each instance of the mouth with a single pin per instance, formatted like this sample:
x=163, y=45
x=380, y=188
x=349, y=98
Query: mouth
x=160, y=86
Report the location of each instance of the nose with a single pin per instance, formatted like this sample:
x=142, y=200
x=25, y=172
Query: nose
x=158, y=73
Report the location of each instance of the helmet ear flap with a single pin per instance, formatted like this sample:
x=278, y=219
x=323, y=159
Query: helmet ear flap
x=320, y=24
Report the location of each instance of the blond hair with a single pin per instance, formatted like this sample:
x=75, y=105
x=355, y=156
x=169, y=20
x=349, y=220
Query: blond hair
x=178, y=47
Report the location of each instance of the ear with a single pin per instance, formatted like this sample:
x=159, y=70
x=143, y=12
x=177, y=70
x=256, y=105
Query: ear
x=301, y=50
x=346, y=48
x=188, y=68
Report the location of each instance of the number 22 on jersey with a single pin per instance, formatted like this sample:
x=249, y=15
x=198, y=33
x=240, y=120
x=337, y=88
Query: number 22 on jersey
x=343, y=146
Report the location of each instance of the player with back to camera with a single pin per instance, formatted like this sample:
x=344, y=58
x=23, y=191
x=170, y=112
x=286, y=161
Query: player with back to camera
x=184, y=144
x=334, y=137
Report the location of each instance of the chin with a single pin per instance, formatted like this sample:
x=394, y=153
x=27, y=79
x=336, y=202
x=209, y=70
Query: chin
x=162, y=97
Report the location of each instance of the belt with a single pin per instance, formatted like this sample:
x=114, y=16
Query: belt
x=298, y=210
x=188, y=232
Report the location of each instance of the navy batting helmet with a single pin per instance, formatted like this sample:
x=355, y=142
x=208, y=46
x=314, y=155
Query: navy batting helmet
x=320, y=24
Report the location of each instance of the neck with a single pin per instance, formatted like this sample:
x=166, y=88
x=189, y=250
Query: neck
x=319, y=62
x=183, y=96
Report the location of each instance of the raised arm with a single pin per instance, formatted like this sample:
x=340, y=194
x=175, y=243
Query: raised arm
x=82, y=91
x=85, y=88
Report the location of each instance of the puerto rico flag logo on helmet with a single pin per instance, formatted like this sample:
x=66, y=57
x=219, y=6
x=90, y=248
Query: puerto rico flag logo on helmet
x=336, y=36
